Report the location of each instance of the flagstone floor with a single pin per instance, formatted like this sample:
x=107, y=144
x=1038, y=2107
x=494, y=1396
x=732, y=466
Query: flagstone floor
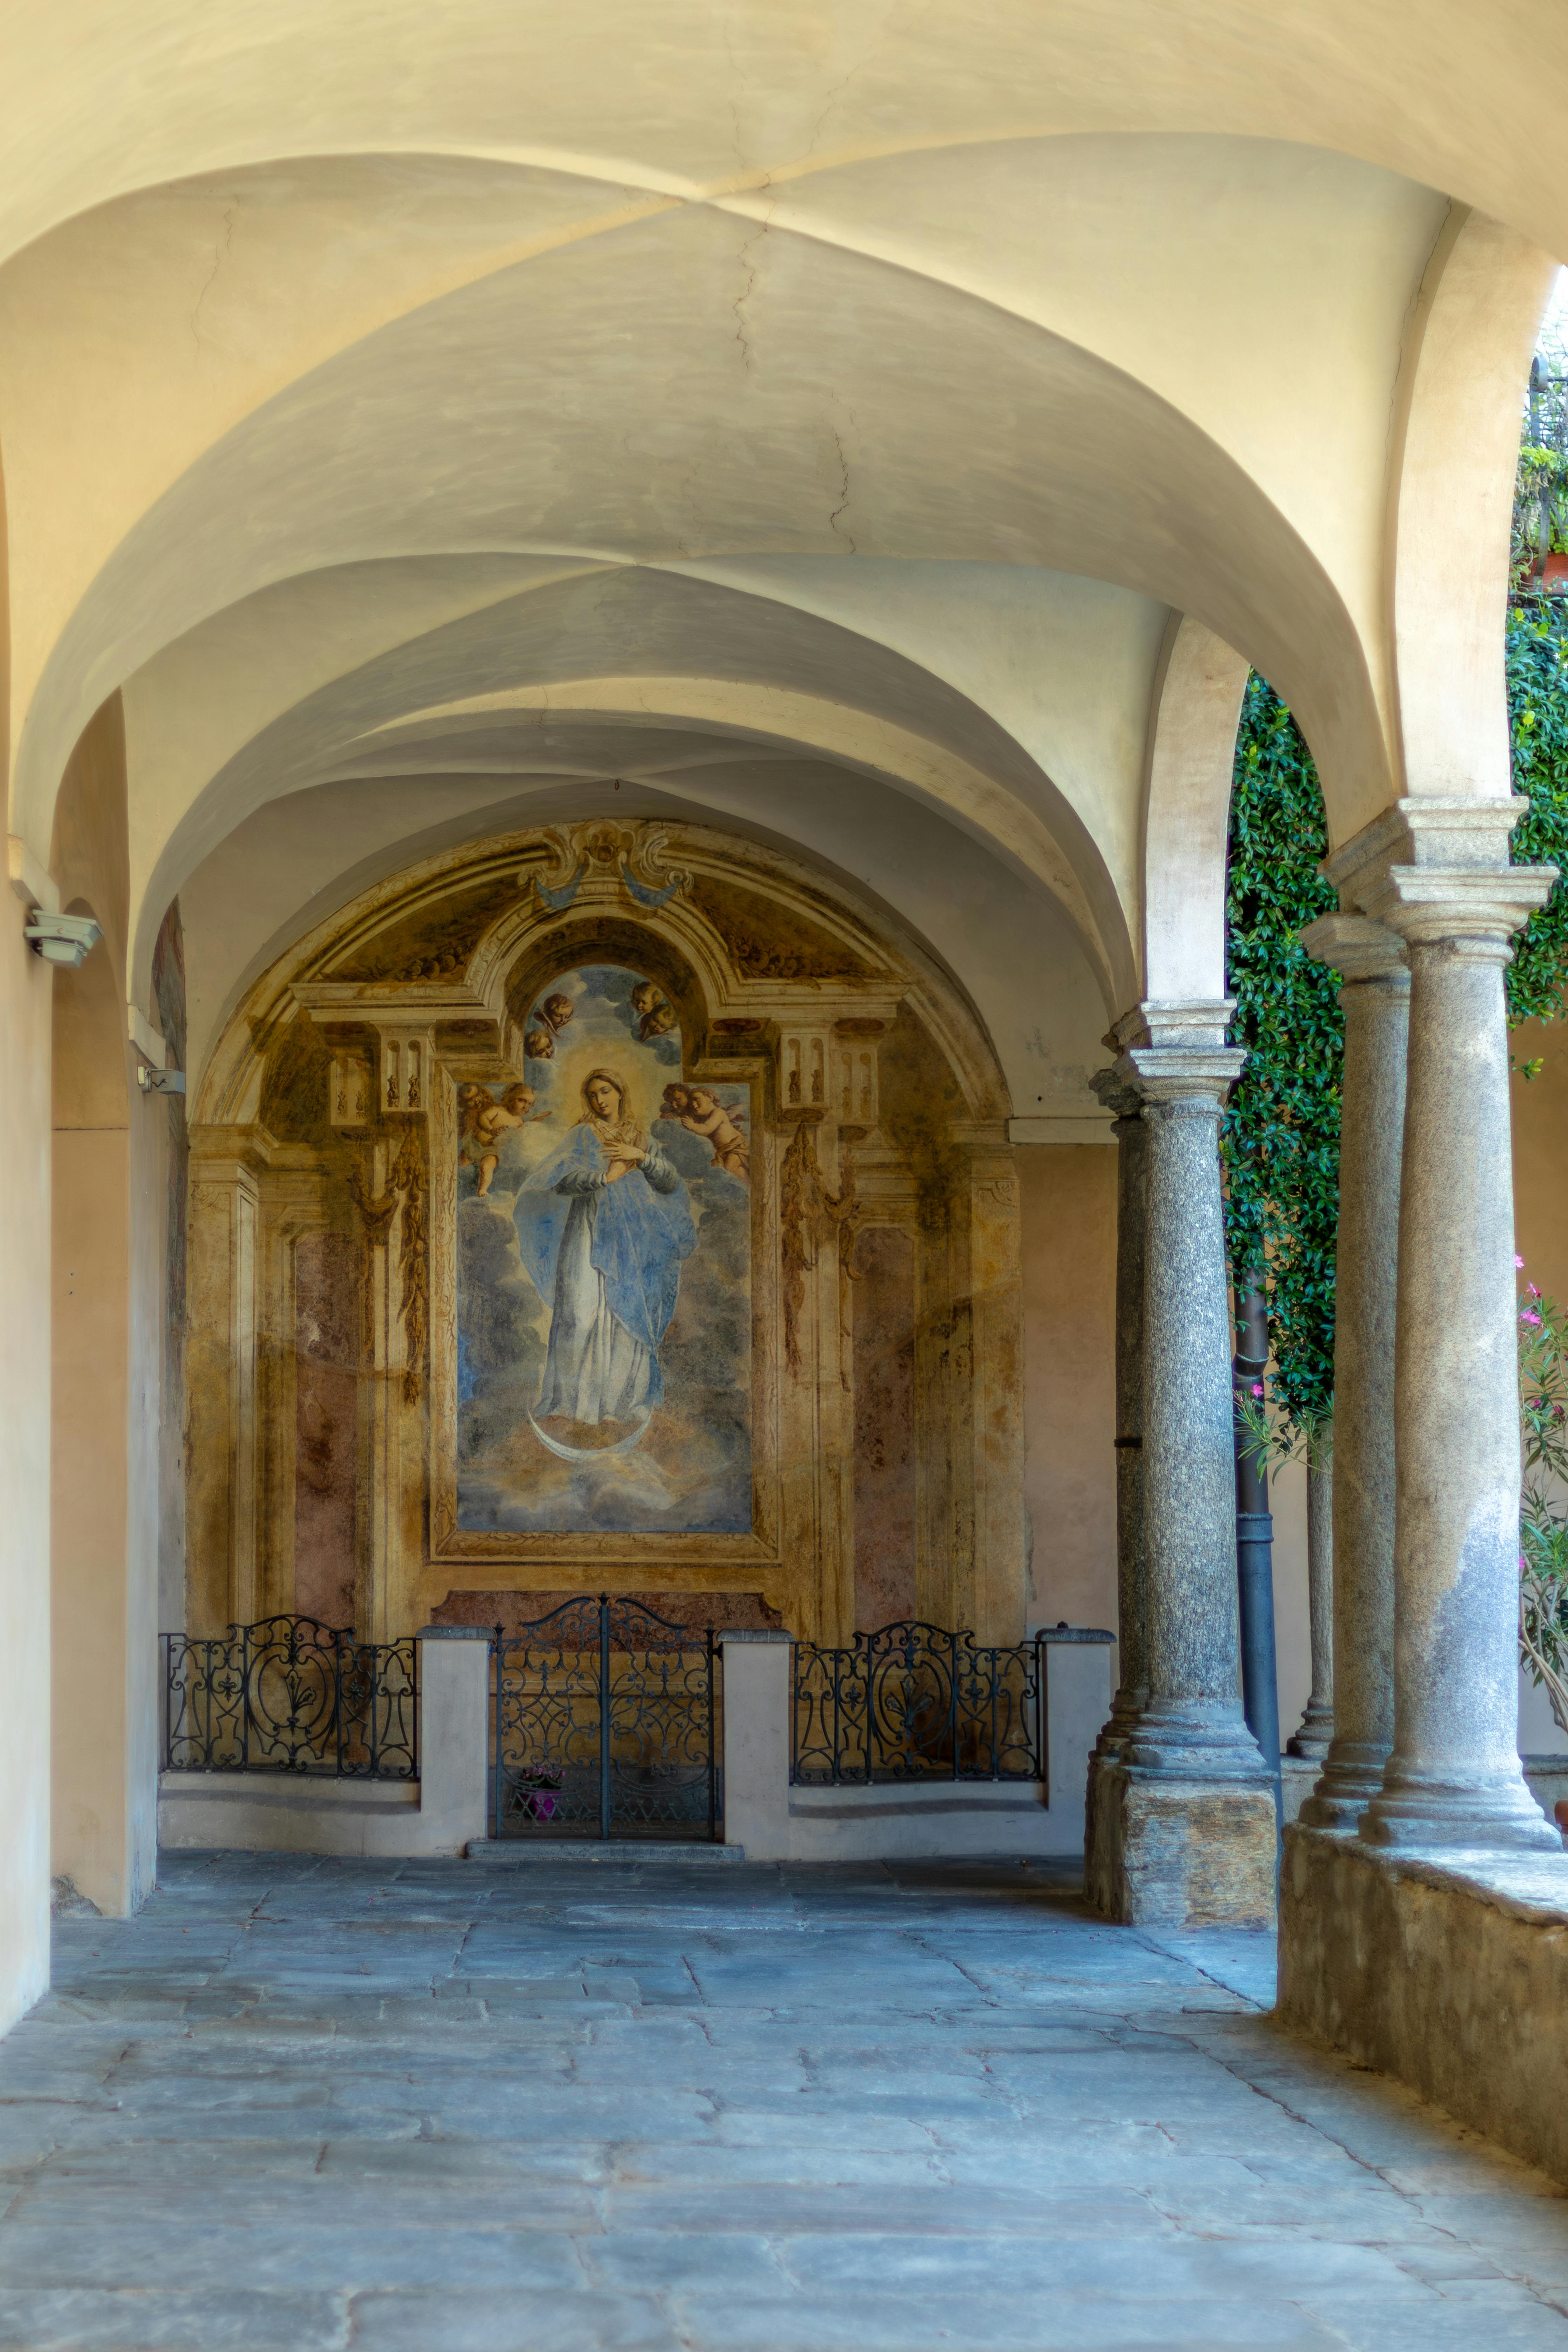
x=561, y=2104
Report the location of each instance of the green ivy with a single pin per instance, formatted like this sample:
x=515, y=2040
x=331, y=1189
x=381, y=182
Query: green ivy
x=1536, y=652
x=1281, y=1139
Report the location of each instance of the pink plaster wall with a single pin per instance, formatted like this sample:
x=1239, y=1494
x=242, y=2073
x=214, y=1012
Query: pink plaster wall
x=1067, y=1205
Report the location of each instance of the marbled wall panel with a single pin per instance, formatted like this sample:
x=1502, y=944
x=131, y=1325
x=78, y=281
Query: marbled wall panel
x=883, y=1296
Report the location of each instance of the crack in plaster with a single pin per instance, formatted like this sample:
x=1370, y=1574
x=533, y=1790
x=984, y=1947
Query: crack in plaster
x=846, y=534
x=222, y=249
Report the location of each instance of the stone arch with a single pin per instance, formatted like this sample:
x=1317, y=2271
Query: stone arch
x=1190, y=757
x=1457, y=433
x=334, y=1103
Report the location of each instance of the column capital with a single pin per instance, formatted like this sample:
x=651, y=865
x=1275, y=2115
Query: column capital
x=1120, y=1095
x=1174, y=1053
x=1438, y=869
x=1459, y=834
x=1357, y=948
x=1480, y=906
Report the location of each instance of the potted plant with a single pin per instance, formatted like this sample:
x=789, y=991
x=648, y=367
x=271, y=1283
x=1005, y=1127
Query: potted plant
x=533, y=1794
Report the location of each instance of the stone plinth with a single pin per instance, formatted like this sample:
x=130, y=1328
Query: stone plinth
x=1184, y=1854
x=1448, y=1969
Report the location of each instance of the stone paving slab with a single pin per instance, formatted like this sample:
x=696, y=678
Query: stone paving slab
x=554, y=2103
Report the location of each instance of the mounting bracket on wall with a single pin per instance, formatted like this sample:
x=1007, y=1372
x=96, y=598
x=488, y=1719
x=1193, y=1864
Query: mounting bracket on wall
x=66, y=939
x=160, y=1082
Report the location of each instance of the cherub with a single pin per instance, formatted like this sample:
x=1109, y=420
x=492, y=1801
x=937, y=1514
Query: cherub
x=645, y=996
x=538, y=1045
x=702, y=1114
x=556, y=1010
x=657, y=1022
x=485, y=1122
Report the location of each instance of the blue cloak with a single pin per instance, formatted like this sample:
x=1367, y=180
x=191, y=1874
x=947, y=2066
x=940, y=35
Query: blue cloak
x=642, y=1230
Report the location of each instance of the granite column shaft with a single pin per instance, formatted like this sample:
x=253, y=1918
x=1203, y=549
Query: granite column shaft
x=1454, y=1775
x=1377, y=1001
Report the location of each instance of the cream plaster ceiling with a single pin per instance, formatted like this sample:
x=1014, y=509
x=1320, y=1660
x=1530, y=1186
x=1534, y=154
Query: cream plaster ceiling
x=406, y=408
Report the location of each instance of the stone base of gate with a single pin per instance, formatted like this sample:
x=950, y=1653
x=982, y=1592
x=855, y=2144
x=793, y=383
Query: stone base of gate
x=442, y=1812
x=914, y=1821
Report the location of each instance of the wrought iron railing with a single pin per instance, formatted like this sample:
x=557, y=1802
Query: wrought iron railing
x=289, y=1694
x=914, y=1702
x=605, y=1724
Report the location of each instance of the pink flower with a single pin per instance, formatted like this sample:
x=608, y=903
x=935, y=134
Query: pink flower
x=1257, y=1388
x=1518, y=1260
x=1528, y=1317
x=1531, y=1291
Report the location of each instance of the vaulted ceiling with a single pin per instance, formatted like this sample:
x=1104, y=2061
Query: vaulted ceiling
x=426, y=415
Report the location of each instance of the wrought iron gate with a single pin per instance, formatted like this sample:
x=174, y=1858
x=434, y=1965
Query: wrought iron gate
x=605, y=1724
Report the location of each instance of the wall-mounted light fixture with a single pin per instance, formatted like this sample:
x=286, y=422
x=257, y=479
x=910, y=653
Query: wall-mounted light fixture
x=160, y=1082
x=62, y=938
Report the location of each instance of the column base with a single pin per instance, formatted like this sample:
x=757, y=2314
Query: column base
x=1195, y=1739
x=1418, y=1810
x=1179, y=1853
x=1351, y=1779
x=1313, y=1736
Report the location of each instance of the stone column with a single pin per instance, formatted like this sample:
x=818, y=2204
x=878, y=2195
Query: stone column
x=1311, y=1739
x=1195, y=1832
x=1376, y=1000
x=1133, y=1684
x=1454, y=1776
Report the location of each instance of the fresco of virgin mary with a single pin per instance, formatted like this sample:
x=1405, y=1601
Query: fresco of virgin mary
x=603, y=1226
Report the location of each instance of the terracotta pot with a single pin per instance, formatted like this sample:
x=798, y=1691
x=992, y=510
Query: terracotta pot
x=1560, y=1815
x=1554, y=574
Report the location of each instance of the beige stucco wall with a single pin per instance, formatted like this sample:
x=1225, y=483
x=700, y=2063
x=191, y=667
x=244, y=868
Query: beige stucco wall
x=24, y=1447
x=106, y=1279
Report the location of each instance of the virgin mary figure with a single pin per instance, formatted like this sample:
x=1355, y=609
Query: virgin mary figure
x=603, y=1226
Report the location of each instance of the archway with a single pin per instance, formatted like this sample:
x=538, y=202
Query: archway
x=393, y=1100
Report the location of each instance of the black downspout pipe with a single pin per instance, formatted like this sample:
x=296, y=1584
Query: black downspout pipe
x=1254, y=1547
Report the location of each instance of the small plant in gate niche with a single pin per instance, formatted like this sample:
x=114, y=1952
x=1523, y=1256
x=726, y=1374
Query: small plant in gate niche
x=1542, y=1524
x=533, y=1795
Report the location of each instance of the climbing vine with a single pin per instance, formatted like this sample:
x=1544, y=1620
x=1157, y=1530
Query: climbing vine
x=1537, y=658
x=1281, y=1135
x=1281, y=1139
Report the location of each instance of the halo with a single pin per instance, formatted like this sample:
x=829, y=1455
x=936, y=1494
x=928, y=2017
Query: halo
x=625, y=1060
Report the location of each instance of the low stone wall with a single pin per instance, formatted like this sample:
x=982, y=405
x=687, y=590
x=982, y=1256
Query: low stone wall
x=776, y=1822
x=442, y=1812
x=1447, y=1970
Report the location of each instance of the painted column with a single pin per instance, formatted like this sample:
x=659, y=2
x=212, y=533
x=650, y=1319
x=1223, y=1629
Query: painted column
x=1132, y=1659
x=1454, y=1776
x=1196, y=1823
x=227, y=1166
x=1371, y=961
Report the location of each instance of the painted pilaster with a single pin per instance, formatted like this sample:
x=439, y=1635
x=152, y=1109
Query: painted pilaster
x=996, y=1601
x=222, y=1502
x=1376, y=995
